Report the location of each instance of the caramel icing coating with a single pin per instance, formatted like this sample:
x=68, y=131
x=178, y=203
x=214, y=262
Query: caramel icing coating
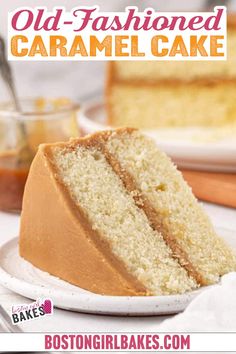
x=56, y=237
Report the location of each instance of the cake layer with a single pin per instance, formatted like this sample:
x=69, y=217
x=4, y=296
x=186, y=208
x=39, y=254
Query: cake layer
x=152, y=71
x=173, y=93
x=56, y=237
x=176, y=104
x=177, y=210
x=112, y=212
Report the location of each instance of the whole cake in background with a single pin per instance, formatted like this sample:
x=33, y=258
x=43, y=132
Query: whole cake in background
x=110, y=213
x=173, y=93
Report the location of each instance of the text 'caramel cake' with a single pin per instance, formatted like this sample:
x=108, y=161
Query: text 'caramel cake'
x=110, y=213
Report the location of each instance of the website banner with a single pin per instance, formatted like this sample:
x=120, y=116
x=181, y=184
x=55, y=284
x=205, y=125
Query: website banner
x=118, y=342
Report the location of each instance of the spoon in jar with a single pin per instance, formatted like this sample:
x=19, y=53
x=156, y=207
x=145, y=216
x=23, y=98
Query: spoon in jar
x=25, y=154
x=210, y=4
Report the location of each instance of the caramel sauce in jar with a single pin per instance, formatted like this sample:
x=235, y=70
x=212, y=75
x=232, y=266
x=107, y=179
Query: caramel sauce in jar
x=13, y=177
x=44, y=120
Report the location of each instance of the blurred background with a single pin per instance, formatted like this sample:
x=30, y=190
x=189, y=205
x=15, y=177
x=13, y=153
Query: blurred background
x=77, y=80
x=192, y=120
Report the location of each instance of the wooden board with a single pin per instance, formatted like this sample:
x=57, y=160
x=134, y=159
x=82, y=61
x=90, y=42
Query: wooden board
x=219, y=188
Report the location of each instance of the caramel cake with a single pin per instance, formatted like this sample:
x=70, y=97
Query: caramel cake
x=110, y=213
x=156, y=94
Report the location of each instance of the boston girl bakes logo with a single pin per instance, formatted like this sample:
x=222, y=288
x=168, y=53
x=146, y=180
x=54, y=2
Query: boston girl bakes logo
x=35, y=310
x=85, y=33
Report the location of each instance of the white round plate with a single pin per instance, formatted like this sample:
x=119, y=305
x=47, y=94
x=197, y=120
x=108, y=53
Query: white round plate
x=23, y=278
x=211, y=149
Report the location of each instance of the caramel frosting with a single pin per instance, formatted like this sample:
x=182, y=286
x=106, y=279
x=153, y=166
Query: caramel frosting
x=56, y=237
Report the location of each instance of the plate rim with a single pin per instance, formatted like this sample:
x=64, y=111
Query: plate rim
x=33, y=291
x=98, y=103
x=178, y=150
x=94, y=303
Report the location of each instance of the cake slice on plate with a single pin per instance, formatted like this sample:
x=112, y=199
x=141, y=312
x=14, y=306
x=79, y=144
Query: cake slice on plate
x=111, y=214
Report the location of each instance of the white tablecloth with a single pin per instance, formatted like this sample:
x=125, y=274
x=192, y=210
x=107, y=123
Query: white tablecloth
x=68, y=321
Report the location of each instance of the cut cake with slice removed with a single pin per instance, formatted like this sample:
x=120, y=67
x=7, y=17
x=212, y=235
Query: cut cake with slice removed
x=111, y=214
x=154, y=94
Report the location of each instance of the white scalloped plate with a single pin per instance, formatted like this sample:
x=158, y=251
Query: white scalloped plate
x=210, y=149
x=23, y=278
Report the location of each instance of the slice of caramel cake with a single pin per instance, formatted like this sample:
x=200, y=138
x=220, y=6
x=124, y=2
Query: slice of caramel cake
x=110, y=213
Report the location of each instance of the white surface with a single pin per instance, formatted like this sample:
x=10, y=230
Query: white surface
x=211, y=149
x=72, y=321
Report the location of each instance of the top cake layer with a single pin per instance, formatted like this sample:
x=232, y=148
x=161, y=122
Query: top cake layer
x=180, y=70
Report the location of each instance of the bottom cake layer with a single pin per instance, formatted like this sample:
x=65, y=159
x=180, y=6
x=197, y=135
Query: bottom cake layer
x=171, y=104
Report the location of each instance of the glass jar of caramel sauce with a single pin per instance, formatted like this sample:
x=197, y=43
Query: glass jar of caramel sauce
x=40, y=120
